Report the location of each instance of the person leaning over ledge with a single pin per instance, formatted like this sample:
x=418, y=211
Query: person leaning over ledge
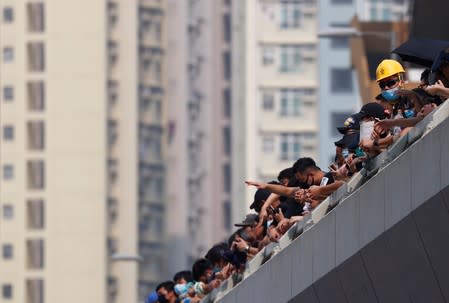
x=316, y=185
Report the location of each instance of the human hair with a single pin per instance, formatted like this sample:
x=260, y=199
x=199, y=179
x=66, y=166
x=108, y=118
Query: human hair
x=215, y=254
x=302, y=164
x=286, y=173
x=425, y=76
x=168, y=285
x=185, y=274
x=199, y=268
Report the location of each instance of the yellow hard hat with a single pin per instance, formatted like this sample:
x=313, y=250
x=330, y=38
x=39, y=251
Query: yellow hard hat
x=387, y=68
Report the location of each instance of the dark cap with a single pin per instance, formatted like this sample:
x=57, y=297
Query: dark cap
x=352, y=122
x=371, y=109
x=440, y=60
x=349, y=141
x=249, y=220
x=260, y=196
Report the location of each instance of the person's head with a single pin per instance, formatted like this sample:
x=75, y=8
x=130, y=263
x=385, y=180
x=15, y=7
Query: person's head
x=350, y=125
x=441, y=64
x=250, y=220
x=300, y=167
x=424, y=79
x=390, y=78
x=371, y=111
x=285, y=175
x=182, y=277
x=202, y=270
x=216, y=255
x=166, y=293
x=260, y=197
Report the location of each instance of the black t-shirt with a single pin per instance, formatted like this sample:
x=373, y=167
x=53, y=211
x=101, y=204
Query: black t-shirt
x=330, y=178
x=290, y=207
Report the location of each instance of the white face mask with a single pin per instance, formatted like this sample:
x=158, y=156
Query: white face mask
x=366, y=129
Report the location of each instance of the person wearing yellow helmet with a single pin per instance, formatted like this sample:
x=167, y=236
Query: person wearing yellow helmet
x=390, y=77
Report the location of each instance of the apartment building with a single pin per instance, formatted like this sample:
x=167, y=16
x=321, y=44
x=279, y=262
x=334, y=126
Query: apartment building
x=199, y=129
x=81, y=150
x=275, y=91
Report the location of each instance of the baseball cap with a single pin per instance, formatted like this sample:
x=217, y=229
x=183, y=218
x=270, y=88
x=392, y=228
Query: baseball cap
x=371, y=109
x=352, y=122
x=349, y=141
x=261, y=195
x=250, y=220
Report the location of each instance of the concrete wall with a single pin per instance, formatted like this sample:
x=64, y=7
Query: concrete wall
x=387, y=242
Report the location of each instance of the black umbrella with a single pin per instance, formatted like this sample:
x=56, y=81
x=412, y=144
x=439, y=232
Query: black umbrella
x=420, y=51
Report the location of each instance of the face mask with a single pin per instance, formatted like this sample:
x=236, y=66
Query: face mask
x=345, y=153
x=390, y=94
x=409, y=113
x=359, y=152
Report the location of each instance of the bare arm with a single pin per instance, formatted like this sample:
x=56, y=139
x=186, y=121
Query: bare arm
x=274, y=188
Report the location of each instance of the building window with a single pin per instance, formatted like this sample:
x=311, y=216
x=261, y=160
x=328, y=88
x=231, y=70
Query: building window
x=227, y=28
x=8, y=133
x=112, y=13
x=290, y=102
x=36, y=135
x=112, y=170
x=35, y=253
x=386, y=14
x=290, y=58
x=227, y=215
x=36, y=95
x=7, y=292
x=337, y=120
x=36, y=174
x=35, y=214
x=35, y=290
x=227, y=102
x=267, y=55
x=8, y=54
x=341, y=1
x=373, y=14
x=227, y=141
x=267, y=101
x=8, y=212
x=112, y=132
x=112, y=52
x=7, y=251
x=268, y=144
x=341, y=80
x=290, y=15
x=227, y=65
x=36, y=17
x=8, y=93
x=8, y=172
x=290, y=146
x=36, y=56
x=227, y=177
x=340, y=42
x=8, y=15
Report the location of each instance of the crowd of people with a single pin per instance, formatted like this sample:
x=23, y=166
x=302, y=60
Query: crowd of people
x=299, y=189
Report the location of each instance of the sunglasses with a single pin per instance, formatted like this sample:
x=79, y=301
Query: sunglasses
x=388, y=83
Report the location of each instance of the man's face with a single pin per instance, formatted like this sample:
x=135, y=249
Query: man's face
x=301, y=177
x=310, y=176
x=164, y=295
x=390, y=82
